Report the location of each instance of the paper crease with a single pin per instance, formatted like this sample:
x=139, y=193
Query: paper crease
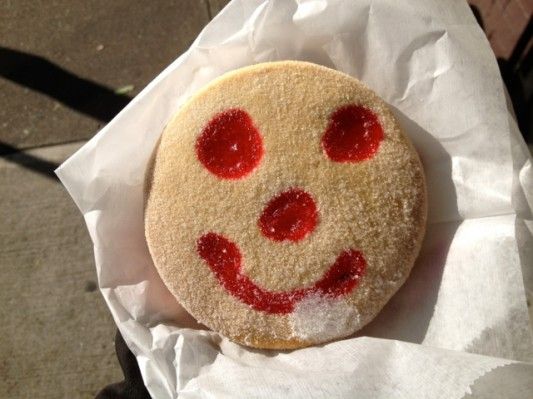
x=432, y=63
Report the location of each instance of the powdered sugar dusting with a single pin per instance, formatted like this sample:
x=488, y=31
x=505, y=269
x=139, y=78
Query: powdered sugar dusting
x=320, y=318
x=376, y=206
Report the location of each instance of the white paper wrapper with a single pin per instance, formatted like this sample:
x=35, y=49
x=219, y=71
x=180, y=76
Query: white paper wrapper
x=461, y=314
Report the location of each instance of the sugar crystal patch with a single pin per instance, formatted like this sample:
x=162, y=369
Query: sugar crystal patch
x=321, y=318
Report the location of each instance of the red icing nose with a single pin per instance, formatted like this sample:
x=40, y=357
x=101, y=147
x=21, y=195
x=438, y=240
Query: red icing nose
x=291, y=215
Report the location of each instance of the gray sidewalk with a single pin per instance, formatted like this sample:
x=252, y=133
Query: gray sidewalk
x=56, y=335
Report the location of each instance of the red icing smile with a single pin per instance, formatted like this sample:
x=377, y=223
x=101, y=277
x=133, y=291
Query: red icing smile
x=224, y=259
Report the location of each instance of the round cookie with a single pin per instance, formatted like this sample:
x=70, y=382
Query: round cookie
x=284, y=206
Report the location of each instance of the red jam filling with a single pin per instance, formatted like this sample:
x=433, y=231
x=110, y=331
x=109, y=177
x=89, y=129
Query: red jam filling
x=353, y=134
x=230, y=146
x=291, y=215
x=224, y=259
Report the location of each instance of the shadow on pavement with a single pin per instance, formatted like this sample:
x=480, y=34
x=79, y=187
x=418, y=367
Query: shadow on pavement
x=39, y=74
x=36, y=164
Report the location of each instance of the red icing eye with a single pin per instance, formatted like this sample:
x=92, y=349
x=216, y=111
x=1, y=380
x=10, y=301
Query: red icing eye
x=353, y=134
x=224, y=259
x=230, y=146
x=291, y=215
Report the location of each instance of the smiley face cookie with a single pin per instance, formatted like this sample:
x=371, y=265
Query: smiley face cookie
x=284, y=206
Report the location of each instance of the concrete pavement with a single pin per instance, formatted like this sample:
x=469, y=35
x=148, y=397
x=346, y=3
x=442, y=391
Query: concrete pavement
x=56, y=336
x=65, y=68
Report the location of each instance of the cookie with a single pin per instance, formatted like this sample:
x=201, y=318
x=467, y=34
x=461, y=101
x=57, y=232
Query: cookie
x=284, y=206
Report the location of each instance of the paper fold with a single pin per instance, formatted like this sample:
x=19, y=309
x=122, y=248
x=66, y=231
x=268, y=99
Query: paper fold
x=462, y=312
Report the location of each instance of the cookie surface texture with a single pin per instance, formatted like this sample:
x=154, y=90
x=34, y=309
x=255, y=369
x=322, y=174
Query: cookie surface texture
x=284, y=206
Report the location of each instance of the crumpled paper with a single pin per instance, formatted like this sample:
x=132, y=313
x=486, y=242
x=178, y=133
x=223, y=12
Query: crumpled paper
x=459, y=326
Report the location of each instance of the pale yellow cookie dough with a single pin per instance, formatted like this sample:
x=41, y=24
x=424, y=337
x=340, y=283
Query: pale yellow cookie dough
x=377, y=206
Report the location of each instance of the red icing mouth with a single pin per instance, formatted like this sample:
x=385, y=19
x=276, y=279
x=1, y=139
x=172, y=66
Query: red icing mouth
x=224, y=259
x=230, y=146
x=353, y=134
x=291, y=215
